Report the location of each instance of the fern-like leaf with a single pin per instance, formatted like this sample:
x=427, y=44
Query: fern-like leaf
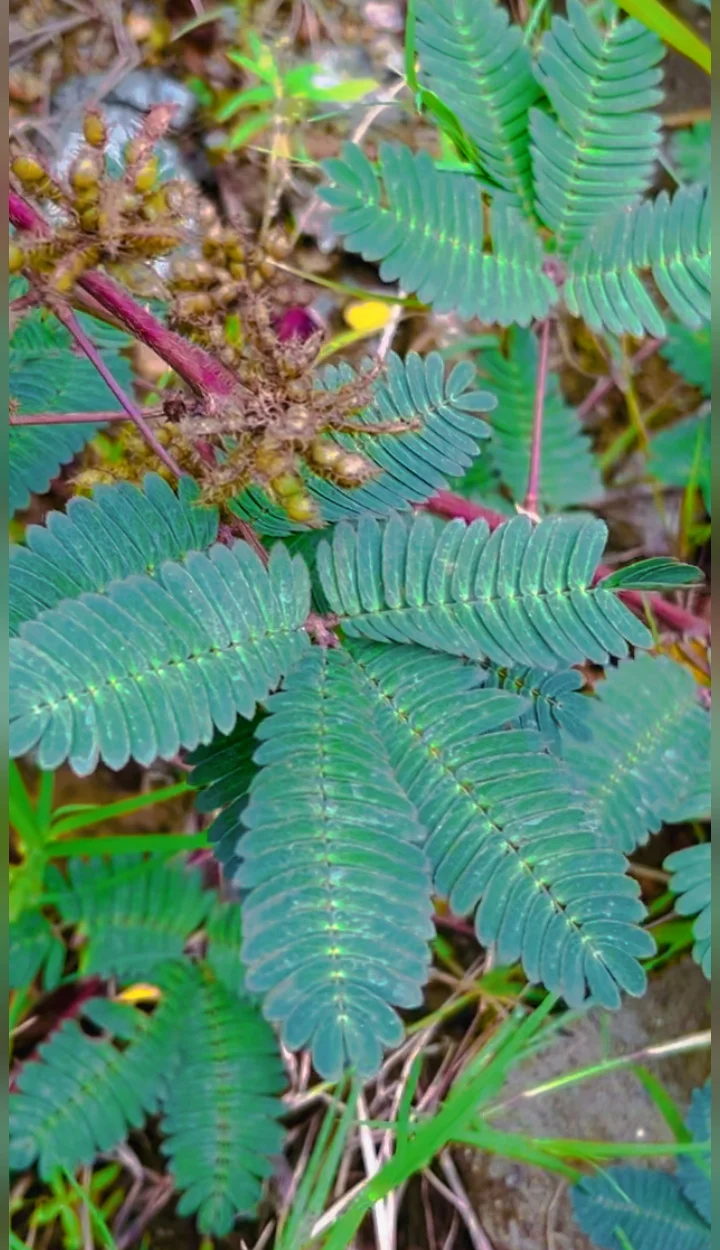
x=46, y=375
x=224, y=942
x=647, y=1208
x=690, y=881
x=427, y=229
x=521, y=595
x=338, y=917
x=137, y=913
x=221, y=1119
x=413, y=465
x=478, y=65
x=568, y=473
x=508, y=838
x=694, y=1172
x=155, y=664
x=34, y=948
x=120, y=531
x=668, y=238
x=82, y=1094
x=601, y=153
x=651, y=750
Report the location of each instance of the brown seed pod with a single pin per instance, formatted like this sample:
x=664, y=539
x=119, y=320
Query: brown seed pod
x=351, y=469
x=298, y=421
x=146, y=176
x=192, y=304
x=278, y=244
x=324, y=454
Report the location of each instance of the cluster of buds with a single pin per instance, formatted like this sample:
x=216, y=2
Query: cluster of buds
x=104, y=220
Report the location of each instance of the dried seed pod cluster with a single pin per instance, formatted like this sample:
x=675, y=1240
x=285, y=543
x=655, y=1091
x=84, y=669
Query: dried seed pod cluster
x=277, y=425
x=104, y=220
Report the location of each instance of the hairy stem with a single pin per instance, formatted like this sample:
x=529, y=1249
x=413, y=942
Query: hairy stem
x=199, y=369
x=531, y=495
x=72, y=325
x=76, y=418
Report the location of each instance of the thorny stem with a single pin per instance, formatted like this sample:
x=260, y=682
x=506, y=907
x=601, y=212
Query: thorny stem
x=531, y=494
x=72, y=325
x=446, y=504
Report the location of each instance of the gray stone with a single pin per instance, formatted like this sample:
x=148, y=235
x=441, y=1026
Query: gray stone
x=523, y=1208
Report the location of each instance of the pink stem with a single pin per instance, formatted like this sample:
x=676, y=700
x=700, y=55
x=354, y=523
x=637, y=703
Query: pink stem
x=446, y=504
x=201, y=371
x=449, y=505
x=604, y=385
x=531, y=494
x=75, y=418
x=70, y=321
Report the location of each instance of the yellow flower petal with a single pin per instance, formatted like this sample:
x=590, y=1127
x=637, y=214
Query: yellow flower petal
x=139, y=993
x=367, y=314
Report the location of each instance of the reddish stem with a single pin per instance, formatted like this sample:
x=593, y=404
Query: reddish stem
x=531, y=495
x=76, y=418
x=604, y=385
x=72, y=325
x=202, y=372
x=449, y=505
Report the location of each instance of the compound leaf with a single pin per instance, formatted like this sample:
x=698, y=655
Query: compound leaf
x=155, y=664
x=427, y=229
x=668, y=238
x=34, y=947
x=693, y=1172
x=601, y=152
x=120, y=531
x=478, y=65
x=647, y=1208
x=337, y=919
x=507, y=834
x=521, y=595
x=651, y=750
x=221, y=1120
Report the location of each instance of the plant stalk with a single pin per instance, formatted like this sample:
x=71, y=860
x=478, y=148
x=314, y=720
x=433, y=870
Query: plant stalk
x=531, y=495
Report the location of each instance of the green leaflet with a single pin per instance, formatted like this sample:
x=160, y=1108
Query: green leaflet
x=221, y=1116
x=222, y=772
x=138, y=914
x=426, y=227
x=479, y=66
x=647, y=1207
x=120, y=531
x=568, y=472
x=690, y=880
x=680, y=450
x=46, y=375
x=689, y=353
x=694, y=1173
x=415, y=464
x=521, y=595
x=669, y=238
x=601, y=153
x=555, y=707
x=651, y=750
x=690, y=151
x=322, y=858
x=34, y=948
x=157, y=663
x=507, y=835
